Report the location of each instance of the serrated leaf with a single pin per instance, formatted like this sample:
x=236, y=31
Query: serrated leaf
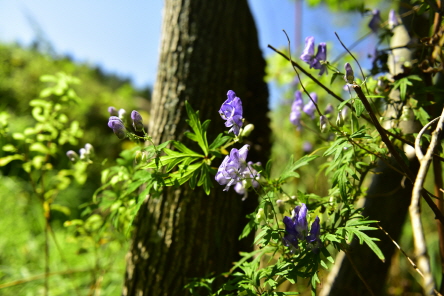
x=199, y=129
x=289, y=170
x=363, y=237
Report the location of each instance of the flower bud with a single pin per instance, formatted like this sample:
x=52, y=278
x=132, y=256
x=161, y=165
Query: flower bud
x=137, y=120
x=340, y=119
x=329, y=109
x=349, y=75
x=247, y=130
x=260, y=215
x=112, y=111
x=121, y=114
x=323, y=123
x=393, y=19
x=72, y=155
x=89, y=150
x=83, y=155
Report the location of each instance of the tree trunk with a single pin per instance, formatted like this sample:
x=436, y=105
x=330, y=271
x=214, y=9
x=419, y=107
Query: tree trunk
x=207, y=48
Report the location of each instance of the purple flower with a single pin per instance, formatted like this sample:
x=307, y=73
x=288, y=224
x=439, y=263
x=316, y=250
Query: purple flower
x=118, y=127
x=321, y=55
x=137, y=121
x=313, y=240
x=375, y=21
x=112, y=111
x=349, y=75
x=313, y=60
x=296, y=229
x=231, y=111
x=232, y=167
x=393, y=20
x=296, y=108
x=307, y=147
x=249, y=178
x=310, y=107
x=308, y=53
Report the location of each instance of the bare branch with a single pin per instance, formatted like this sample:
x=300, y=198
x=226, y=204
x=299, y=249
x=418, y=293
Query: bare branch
x=414, y=209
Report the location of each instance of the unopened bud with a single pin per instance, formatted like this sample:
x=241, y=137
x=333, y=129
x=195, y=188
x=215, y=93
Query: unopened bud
x=340, y=119
x=246, y=131
x=89, y=150
x=349, y=75
x=323, y=123
x=72, y=155
x=260, y=215
x=112, y=111
x=83, y=155
x=121, y=114
x=137, y=120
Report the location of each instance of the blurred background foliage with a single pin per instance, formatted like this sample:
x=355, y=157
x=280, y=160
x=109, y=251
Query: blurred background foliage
x=86, y=254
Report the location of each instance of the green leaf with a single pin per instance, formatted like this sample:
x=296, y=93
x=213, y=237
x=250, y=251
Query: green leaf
x=359, y=106
x=7, y=159
x=289, y=170
x=200, y=130
x=251, y=225
x=365, y=238
x=219, y=141
x=343, y=104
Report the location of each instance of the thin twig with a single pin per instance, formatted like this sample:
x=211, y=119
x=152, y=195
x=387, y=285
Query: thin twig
x=418, y=139
x=337, y=97
x=408, y=258
x=414, y=209
x=356, y=60
x=40, y=276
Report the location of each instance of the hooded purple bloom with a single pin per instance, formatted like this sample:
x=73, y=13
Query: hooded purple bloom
x=310, y=107
x=308, y=53
x=321, y=55
x=137, y=120
x=309, y=57
x=375, y=21
x=232, y=167
x=231, y=111
x=118, y=127
x=313, y=239
x=296, y=108
x=393, y=20
x=297, y=229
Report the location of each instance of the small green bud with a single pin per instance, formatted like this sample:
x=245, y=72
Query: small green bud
x=246, y=131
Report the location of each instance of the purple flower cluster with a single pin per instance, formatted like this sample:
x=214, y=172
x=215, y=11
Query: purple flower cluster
x=86, y=153
x=313, y=60
x=117, y=122
x=233, y=168
x=298, y=106
x=297, y=229
x=231, y=111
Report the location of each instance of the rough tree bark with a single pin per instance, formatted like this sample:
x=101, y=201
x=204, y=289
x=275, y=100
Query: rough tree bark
x=207, y=48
